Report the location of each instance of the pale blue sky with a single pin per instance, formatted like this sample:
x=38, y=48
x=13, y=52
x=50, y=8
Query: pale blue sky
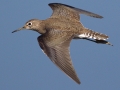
x=23, y=66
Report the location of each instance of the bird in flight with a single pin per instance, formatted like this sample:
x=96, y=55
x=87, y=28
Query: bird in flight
x=57, y=32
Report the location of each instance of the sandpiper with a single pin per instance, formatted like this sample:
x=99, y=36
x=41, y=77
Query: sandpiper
x=58, y=31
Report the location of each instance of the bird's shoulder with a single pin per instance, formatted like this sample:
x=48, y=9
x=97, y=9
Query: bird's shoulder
x=61, y=24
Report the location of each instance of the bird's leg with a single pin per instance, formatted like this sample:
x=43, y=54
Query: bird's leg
x=99, y=41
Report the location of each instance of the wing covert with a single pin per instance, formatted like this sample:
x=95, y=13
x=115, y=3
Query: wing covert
x=59, y=54
x=69, y=12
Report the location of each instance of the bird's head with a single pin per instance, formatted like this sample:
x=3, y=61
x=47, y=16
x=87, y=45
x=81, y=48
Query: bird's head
x=33, y=24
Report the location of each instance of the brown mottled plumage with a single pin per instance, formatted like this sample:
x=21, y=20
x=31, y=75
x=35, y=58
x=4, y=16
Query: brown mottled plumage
x=58, y=31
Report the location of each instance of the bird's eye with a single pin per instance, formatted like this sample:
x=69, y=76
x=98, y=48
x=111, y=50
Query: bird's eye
x=29, y=23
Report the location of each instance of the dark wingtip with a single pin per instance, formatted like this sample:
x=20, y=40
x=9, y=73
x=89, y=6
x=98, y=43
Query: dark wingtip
x=79, y=82
x=96, y=15
x=99, y=17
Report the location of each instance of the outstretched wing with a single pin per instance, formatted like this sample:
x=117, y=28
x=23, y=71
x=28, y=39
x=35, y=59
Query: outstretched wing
x=57, y=49
x=69, y=12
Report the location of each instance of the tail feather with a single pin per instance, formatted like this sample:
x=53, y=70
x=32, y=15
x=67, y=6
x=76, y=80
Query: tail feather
x=87, y=33
x=97, y=37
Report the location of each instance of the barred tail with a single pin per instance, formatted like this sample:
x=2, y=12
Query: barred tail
x=87, y=33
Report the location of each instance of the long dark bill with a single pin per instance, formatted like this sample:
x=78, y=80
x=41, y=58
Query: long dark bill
x=18, y=29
